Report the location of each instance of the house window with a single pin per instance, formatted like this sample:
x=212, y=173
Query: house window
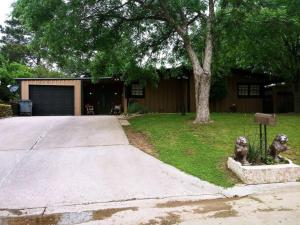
x=137, y=91
x=254, y=90
x=248, y=90
x=243, y=90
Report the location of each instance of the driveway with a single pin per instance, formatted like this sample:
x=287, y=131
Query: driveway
x=63, y=161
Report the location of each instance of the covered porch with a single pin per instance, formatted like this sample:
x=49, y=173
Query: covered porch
x=102, y=97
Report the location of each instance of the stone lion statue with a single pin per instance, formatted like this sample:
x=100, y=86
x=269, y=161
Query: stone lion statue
x=278, y=145
x=241, y=150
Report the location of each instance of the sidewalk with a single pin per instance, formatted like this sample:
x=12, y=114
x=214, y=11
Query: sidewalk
x=268, y=204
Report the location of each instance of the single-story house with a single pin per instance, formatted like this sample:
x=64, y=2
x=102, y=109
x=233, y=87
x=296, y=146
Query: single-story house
x=70, y=96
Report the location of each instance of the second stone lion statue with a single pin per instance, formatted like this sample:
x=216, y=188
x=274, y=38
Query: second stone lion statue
x=241, y=150
x=278, y=145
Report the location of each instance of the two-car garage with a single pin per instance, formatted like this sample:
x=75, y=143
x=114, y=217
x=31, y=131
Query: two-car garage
x=53, y=96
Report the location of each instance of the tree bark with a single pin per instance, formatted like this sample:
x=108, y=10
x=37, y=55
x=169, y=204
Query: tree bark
x=202, y=74
x=202, y=90
x=203, y=78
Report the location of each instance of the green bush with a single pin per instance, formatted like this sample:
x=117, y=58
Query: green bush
x=5, y=94
x=254, y=152
x=135, y=107
x=5, y=110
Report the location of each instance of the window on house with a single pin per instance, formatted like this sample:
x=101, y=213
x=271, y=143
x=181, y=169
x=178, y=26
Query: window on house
x=248, y=90
x=137, y=91
x=254, y=90
x=243, y=90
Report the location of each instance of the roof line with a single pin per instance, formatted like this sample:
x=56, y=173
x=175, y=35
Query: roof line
x=61, y=78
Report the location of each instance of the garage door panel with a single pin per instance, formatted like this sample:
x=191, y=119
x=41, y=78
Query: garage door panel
x=52, y=100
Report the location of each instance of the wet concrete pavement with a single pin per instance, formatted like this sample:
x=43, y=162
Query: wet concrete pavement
x=280, y=206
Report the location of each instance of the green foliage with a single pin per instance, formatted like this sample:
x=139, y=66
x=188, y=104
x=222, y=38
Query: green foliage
x=17, y=70
x=128, y=39
x=16, y=43
x=10, y=71
x=218, y=88
x=5, y=94
x=5, y=110
x=135, y=107
x=255, y=154
x=261, y=35
x=42, y=72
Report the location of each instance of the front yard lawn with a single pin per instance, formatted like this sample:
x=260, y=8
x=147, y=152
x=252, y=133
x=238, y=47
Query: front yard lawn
x=202, y=150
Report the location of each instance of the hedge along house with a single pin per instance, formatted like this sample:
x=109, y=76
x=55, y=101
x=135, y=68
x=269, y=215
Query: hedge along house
x=68, y=96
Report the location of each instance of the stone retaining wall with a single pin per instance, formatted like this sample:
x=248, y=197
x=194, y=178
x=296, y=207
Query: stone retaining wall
x=265, y=174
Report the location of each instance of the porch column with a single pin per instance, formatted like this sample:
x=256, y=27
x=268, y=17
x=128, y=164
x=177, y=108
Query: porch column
x=124, y=100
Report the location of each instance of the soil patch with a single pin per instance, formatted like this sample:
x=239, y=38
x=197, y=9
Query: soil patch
x=140, y=140
x=170, y=219
x=64, y=218
x=106, y=213
x=33, y=220
x=172, y=204
x=225, y=214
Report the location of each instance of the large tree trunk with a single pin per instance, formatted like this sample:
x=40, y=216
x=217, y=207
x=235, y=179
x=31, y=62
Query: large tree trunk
x=202, y=74
x=202, y=89
x=203, y=79
x=202, y=86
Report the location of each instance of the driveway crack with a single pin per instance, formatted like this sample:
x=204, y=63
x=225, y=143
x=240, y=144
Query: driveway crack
x=38, y=140
x=28, y=151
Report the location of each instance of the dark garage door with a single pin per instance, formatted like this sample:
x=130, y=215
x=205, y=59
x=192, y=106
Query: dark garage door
x=52, y=100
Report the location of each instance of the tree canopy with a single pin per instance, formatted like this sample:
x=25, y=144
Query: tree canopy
x=118, y=36
x=262, y=36
x=131, y=38
x=126, y=37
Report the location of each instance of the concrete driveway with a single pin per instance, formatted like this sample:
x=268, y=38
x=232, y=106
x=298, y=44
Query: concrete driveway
x=61, y=161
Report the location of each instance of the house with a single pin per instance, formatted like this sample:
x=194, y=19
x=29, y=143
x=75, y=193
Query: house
x=69, y=96
x=251, y=92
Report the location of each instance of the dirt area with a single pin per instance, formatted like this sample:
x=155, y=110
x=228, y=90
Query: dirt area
x=169, y=219
x=106, y=213
x=140, y=141
x=59, y=218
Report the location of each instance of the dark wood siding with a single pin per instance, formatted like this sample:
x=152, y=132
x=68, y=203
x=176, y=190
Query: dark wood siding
x=167, y=97
x=243, y=105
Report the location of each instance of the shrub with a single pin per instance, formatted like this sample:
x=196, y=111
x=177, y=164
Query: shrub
x=135, y=107
x=5, y=110
x=258, y=156
x=15, y=107
x=254, y=153
x=5, y=94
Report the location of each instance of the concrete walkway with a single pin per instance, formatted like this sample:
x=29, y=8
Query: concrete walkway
x=65, y=161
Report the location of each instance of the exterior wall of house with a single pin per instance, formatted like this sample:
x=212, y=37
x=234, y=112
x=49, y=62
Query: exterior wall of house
x=242, y=104
x=167, y=97
x=192, y=94
x=75, y=83
x=283, y=99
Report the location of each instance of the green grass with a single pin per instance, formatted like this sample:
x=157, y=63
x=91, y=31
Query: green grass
x=202, y=150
